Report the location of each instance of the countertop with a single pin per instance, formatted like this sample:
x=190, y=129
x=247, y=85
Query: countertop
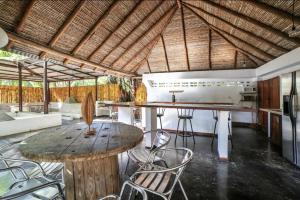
x=271, y=110
x=187, y=105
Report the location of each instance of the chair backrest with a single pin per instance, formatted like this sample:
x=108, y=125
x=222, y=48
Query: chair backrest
x=185, y=112
x=161, y=111
x=161, y=140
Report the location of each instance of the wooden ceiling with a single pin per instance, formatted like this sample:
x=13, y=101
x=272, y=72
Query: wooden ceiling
x=141, y=36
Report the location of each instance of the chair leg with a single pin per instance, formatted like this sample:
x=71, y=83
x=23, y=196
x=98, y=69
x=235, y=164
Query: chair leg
x=214, y=134
x=192, y=130
x=160, y=124
x=183, y=131
x=177, y=130
x=183, y=191
x=128, y=160
x=230, y=135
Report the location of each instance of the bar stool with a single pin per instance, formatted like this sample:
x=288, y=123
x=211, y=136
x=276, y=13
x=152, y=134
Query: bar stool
x=215, y=117
x=186, y=115
x=160, y=113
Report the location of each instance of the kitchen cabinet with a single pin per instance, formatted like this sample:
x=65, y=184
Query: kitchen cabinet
x=276, y=134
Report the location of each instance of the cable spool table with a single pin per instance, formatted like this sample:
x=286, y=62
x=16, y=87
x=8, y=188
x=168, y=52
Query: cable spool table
x=91, y=167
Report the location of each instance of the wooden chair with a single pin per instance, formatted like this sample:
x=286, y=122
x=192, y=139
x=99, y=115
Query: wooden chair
x=25, y=187
x=132, y=186
x=160, y=180
x=141, y=154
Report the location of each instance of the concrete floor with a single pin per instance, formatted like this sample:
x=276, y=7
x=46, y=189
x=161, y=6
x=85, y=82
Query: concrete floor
x=255, y=170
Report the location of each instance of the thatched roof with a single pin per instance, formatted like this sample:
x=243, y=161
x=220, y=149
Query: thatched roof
x=140, y=36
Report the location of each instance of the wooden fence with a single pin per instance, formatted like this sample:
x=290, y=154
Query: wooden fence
x=9, y=94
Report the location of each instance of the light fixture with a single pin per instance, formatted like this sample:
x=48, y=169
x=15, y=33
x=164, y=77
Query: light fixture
x=3, y=38
x=293, y=32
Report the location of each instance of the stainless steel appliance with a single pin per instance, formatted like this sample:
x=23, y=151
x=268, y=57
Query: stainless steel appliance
x=290, y=87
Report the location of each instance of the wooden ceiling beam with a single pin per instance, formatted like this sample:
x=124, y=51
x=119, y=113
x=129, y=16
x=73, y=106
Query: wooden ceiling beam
x=132, y=31
x=275, y=11
x=31, y=44
x=116, y=29
x=248, y=33
x=149, y=68
x=141, y=51
x=263, y=53
x=67, y=23
x=165, y=52
x=95, y=27
x=173, y=8
x=278, y=33
x=210, y=27
x=184, y=39
x=209, y=49
x=162, y=32
x=235, y=59
x=27, y=12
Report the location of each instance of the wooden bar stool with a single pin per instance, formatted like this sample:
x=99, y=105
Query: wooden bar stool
x=215, y=117
x=186, y=115
x=160, y=113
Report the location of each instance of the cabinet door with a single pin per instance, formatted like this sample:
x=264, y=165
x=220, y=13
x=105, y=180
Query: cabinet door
x=260, y=88
x=266, y=94
x=276, y=135
x=275, y=93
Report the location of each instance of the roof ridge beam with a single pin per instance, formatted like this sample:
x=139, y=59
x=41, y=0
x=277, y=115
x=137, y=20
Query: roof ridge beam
x=165, y=52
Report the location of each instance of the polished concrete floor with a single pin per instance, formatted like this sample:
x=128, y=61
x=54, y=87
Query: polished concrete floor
x=255, y=170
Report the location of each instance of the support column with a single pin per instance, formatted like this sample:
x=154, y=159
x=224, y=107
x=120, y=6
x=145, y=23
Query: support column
x=69, y=91
x=223, y=133
x=20, y=87
x=45, y=91
x=96, y=88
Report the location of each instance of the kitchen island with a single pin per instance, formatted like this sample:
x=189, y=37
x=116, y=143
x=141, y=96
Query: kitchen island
x=149, y=111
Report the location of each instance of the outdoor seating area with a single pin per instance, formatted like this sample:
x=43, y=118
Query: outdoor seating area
x=149, y=99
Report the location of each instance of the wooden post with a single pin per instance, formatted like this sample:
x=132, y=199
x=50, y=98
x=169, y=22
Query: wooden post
x=45, y=88
x=20, y=88
x=96, y=88
x=69, y=91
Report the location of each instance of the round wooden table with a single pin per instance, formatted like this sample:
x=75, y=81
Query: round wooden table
x=91, y=167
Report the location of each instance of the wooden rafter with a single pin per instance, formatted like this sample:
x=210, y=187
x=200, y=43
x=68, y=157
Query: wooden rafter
x=173, y=8
x=275, y=11
x=27, y=12
x=165, y=52
x=263, y=53
x=116, y=29
x=235, y=59
x=140, y=51
x=209, y=49
x=184, y=39
x=65, y=25
x=132, y=31
x=149, y=68
x=210, y=27
x=95, y=27
x=31, y=44
x=162, y=32
x=248, y=33
x=255, y=22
